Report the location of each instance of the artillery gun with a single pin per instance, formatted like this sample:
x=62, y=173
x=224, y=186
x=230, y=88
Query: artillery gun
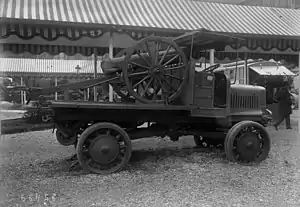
x=163, y=95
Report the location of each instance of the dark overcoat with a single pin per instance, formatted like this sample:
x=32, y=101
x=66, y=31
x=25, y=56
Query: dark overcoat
x=284, y=100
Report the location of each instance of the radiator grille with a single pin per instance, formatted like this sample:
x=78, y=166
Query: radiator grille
x=242, y=101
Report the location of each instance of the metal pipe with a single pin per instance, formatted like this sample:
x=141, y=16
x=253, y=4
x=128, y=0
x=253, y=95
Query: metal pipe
x=245, y=70
x=95, y=75
x=25, y=99
x=236, y=68
x=55, y=85
x=111, y=54
x=22, y=92
x=211, y=57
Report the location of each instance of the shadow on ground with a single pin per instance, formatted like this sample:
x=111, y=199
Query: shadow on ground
x=139, y=158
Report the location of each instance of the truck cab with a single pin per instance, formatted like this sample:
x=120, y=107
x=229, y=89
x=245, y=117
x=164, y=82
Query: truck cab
x=214, y=96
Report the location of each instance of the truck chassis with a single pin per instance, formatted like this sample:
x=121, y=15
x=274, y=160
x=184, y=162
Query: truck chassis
x=102, y=132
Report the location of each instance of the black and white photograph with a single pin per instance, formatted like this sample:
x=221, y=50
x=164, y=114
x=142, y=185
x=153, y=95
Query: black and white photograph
x=149, y=103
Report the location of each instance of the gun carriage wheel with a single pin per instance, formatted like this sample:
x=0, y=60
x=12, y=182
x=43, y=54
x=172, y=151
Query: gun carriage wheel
x=155, y=69
x=118, y=85
x=247, y=141
x=104, y=148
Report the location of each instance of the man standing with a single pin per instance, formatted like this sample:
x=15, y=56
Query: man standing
x=284, y=99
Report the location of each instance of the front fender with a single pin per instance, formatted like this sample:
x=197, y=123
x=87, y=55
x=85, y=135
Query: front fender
x=266, y=116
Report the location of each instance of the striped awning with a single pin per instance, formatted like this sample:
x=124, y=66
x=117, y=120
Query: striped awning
x=48, y=67
x=30, y=31
x=56, y=49
x=40, y=51
x=157, y=14
x=52, y=33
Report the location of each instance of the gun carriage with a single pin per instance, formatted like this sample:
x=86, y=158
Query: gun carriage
x=162, y=95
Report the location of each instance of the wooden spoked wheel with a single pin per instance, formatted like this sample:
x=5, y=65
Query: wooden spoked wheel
x=120, y=87
x=246, y=142
x=104, y=148
x=155, y=69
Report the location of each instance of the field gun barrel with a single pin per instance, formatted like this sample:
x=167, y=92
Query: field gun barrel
x=60, y=88
x=34, y=92
x=138, y=59
x=78, y=85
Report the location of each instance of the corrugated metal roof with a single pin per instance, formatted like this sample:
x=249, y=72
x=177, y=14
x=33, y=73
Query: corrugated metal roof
x=167, y=14
x=290, y=16
x=10, y=66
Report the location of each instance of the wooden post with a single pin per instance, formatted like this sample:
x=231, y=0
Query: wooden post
x=95, y=75
x=245, y=70
x=22, y=96
x=211, y=57
x=111, y=54
x=56, y=92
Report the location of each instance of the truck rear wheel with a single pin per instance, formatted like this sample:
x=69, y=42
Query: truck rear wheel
x=104, y=148
x=247, y=141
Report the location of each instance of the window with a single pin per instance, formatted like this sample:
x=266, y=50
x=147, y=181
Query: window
x=241, y=75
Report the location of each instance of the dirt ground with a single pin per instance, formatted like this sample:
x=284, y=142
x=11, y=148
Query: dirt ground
x=34, y=172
